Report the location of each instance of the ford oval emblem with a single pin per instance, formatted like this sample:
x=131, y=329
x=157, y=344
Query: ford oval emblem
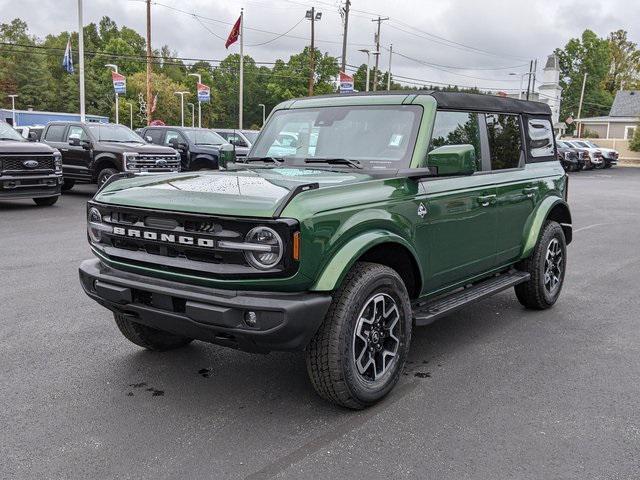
x=30, y=163
x=161, y=163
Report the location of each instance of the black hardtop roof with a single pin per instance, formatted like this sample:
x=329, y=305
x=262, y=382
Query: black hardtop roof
x=464, y=101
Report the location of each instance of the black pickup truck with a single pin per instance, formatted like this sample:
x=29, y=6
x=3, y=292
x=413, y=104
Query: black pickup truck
x=28, y=170
x=92, y=152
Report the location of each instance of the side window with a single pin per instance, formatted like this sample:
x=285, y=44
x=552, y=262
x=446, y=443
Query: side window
x=456, y=128
x=505, y=141
x=155, y=135
x=171, y=134
x=55, y=133
x=224, y=135
x=541, y=138
x=76, y=131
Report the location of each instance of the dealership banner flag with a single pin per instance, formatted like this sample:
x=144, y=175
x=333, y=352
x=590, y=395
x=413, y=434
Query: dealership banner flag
x=234, y=34
x=346, y=83
x=67, y=60
x=204, y=93
x=119, y=83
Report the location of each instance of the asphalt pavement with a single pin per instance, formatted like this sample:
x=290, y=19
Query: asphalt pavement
x=491, y=392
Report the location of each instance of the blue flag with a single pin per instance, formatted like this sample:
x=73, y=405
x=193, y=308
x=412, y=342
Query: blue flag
x=67, y=61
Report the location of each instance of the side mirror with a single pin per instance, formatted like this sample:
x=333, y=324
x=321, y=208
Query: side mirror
x=32, y=137
x=148, y=139
x=452, y=160
x=74, y=141
x=227, y=156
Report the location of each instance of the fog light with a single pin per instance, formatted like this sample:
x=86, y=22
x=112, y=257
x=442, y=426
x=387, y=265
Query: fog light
x=251, y=318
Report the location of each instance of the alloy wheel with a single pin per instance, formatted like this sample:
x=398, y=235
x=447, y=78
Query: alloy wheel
x=553, y=266
x=376, y=337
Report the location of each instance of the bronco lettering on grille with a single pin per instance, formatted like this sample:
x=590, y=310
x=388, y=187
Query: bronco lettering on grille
x=163, y=237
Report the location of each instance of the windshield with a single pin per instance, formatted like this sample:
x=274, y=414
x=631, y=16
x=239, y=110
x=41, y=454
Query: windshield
x=592, y=145
x=8, y=133
x=379, y=136
x=114, y=133
x=251, y=135
x=204, y=137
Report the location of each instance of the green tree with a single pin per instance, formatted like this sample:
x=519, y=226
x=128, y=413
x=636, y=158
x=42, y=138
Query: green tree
x=634, y=144
x=625, y=63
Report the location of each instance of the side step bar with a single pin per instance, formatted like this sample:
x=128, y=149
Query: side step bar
x=426, y=312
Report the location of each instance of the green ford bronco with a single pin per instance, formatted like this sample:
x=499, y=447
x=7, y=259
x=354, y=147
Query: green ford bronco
x=354, y=218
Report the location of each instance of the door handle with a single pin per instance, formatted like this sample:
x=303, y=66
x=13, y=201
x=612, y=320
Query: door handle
x=530, y=191
x=486, y=200
x=64, y=149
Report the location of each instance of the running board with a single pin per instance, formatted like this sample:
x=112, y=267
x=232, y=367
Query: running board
x=426, y=312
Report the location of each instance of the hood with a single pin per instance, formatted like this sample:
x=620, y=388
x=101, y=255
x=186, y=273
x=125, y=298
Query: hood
x=254, y=192
x=10, y=146
x=143, y=148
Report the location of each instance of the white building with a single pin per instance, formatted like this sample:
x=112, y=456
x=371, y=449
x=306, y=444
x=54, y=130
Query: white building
x=549, y=90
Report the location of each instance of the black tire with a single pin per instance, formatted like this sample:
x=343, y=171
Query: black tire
x=540, y=293
x=330, y=356
x=45, y=201
x=67, y=185
x=608, y=165
x=147, y=337
x=104, y=175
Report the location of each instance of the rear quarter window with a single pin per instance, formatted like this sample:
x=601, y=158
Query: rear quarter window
x=55, y=133
x=540, y=137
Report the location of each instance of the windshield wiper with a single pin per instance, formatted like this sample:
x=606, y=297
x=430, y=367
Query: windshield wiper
x=8, y=138
x=334, y=161
x=275, y=160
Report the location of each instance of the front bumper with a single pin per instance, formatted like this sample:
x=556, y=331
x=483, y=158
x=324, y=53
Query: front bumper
x=29, y=186
x=285, y=321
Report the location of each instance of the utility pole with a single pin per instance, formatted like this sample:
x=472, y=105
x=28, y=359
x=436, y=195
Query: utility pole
x=389, y=72
x=81, y=60
x=149, y=99
x=313, y=16
x=241, y=88
x=533, y=80
x=199, y=77
x=529, y=79
x=584, y=83
x=379, y=20
x=115, y=69
x=343, y=65
x=13, y=109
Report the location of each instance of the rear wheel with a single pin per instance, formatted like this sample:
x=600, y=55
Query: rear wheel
x=104, y=175
x=68, y=185
x=547, y=267
x=357, y=355
x=45, y=201
x=147, y=337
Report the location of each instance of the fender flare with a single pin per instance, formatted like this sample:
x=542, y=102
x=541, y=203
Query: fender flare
x=333, y=272
x=207, y=158
x=536, y=221
x=105, y=157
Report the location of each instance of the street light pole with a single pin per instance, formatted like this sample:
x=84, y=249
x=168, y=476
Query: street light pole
x=182, y=94
x=263, y=112
x=13, y=109
x=193, y=114
x=313, y=16
x=81, y=60
x=368, y=52
x=521, y=81
x=115, y=69
x=199, y=77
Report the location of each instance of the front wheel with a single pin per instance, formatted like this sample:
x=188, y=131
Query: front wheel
x=45, y=201
x=105, y=174
x=357, y=355
x=67, y=184
x=547, y=267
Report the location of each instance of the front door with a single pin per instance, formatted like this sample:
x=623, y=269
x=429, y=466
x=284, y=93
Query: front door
x=77, y=158
x=171, y=135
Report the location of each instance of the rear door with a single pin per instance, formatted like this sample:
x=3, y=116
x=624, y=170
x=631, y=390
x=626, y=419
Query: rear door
x=458, y=237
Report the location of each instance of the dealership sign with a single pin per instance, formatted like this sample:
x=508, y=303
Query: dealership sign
x=204, y=93
x=119, y=83
x=346, y=83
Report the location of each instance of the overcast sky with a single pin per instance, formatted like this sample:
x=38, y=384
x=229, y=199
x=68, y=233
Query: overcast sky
x=487, y=33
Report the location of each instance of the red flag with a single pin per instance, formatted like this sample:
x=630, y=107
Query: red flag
x=234, y=34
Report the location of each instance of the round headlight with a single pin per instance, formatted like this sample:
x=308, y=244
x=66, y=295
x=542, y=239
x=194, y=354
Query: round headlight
x=270, y=257
x=94, y=219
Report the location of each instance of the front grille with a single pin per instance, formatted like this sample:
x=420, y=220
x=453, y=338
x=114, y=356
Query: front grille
x=202, y=256
x=15, y=164
x=161, y=162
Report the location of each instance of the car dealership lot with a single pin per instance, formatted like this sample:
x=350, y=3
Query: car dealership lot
x=492, y=391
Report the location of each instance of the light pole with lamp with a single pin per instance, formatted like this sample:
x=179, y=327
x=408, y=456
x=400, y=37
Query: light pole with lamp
x=13, y=109
x=368, y=52
x=313, y=16
x=522, y=75
x=199, y=77
x=115, y=69
x=182, y=94
x=263, y=112
x=193, y=114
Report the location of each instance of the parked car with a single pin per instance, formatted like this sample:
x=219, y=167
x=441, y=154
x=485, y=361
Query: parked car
x=28, y=170
x=199, y=147
x=609, y=155
x=242, y=140
x=594, y=156
x=93, y=152
x=571, y=158
x=410, y=206
x=31, y=133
